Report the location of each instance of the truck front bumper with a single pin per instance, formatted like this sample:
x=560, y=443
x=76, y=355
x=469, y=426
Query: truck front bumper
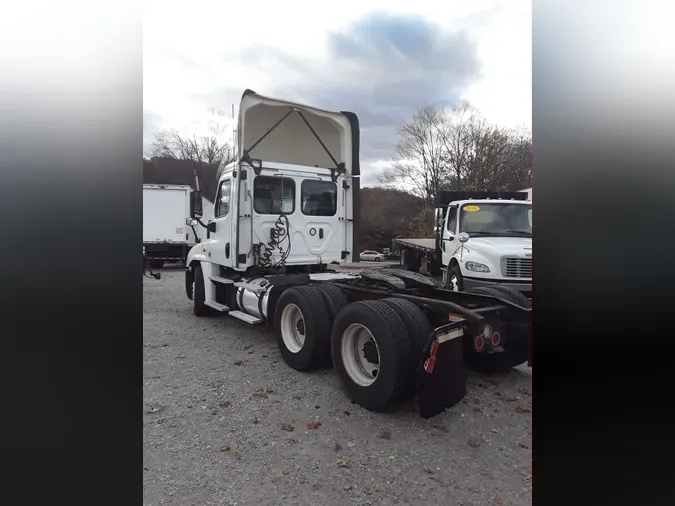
x=525, y=287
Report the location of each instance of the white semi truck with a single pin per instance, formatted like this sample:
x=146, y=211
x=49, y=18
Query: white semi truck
x=286, y=211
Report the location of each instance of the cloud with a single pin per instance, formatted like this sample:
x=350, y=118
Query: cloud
x=380, y=64
x=382, y=67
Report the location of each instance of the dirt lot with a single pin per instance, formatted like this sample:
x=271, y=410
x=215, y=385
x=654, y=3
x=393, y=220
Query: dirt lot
x=227, y=422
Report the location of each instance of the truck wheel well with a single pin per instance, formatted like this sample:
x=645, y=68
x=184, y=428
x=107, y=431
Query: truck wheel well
x=453, y=262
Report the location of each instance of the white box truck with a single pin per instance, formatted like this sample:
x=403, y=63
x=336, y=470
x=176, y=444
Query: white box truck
x=168, y=228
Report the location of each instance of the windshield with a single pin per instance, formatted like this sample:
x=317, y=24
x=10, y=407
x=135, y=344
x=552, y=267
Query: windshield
x=501, y=220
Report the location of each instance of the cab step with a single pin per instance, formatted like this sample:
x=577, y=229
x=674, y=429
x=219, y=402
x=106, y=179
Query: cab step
x=222, y=281
x=218, y=307
x=245, y=317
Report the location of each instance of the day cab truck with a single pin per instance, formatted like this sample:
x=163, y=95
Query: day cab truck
x=286, y=213
x=483, y=240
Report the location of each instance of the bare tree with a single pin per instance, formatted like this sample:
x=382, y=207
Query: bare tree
x=517, y=170
x=457, y=148
x=456, y=130
x=211, y=148
x=420, y=159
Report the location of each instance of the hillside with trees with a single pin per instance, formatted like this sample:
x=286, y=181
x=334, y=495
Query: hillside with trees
x=438, y=148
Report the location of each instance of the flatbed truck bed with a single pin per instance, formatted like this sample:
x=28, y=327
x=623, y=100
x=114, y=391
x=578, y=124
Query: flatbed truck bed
x=421, y=244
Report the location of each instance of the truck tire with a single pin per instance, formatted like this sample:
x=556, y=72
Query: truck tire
x=199, y=296
x=156, y=263
x=371, y=352
x=334, y=298
x=302, y=324
x=419, y=329
x=189, y=284
x=455, y=281
x=415, y=321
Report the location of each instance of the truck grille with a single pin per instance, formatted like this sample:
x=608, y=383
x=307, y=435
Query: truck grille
x=515, y=267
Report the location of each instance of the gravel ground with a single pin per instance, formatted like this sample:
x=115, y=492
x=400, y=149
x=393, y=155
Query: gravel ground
x=226, y=422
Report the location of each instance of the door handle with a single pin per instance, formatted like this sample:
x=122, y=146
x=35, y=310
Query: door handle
x=227, y=250
x=320, y=233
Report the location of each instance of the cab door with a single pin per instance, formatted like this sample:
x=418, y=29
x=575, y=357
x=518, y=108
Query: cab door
x=449, y=243
x=219, y=230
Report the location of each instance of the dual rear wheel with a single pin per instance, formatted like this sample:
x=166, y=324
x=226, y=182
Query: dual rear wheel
x=375, y=346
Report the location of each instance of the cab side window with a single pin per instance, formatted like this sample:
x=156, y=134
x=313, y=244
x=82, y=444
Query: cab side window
x=452, y=220
x=223, y=199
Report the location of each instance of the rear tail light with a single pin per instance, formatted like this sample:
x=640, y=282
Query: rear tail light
x=495, y=339
x=479, y=343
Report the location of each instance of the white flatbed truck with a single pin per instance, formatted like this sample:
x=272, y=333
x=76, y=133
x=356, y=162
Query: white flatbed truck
x=285, y=212
x=483, y=239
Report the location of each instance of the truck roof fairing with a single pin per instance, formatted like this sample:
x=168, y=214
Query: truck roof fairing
x=281, y=131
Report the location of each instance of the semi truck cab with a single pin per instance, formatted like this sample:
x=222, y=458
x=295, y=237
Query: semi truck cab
x=286, y=210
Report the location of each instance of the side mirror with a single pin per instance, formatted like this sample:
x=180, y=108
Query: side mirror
x=196, y=210
x=463, y=237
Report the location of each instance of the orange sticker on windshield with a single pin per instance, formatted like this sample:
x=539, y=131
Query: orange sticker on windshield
x=471, y=208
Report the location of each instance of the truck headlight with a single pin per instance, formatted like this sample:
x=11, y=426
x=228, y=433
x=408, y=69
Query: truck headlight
x=476, y=267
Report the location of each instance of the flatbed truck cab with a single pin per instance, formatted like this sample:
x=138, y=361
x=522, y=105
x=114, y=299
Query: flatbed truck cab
x=483, y=239
x=487, y=242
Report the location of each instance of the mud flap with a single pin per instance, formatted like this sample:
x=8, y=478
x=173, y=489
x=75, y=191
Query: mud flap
x=441, y=377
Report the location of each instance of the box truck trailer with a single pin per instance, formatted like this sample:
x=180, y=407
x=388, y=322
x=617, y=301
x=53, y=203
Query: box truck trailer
x=169, y=229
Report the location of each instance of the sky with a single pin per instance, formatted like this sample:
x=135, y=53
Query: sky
x=380, y=59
